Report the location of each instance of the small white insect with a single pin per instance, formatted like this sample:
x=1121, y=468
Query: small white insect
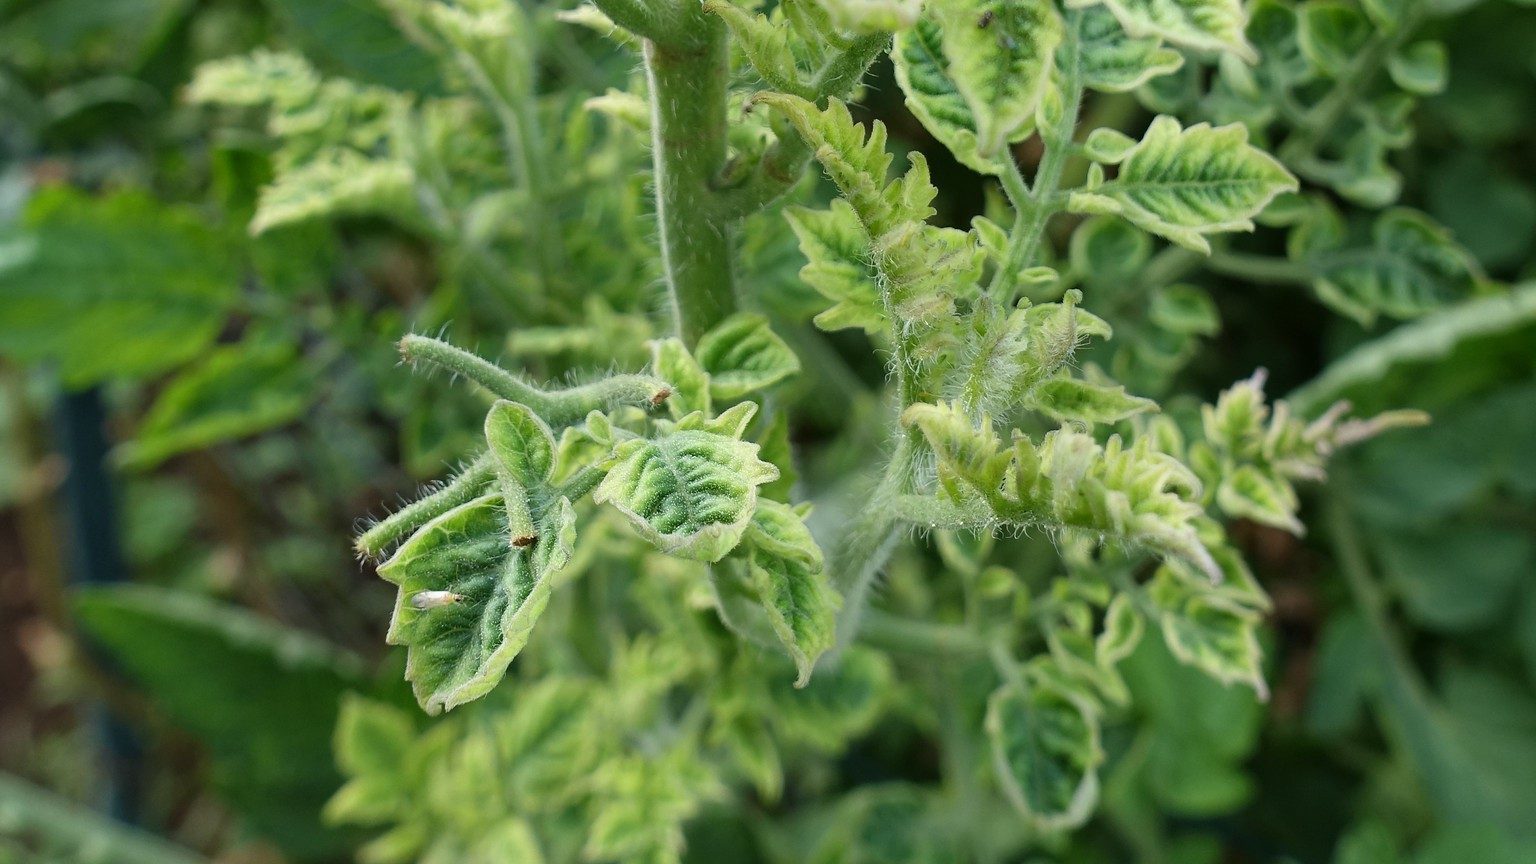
x=434, y=599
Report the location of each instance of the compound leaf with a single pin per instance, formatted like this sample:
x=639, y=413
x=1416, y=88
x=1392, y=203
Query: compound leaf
x=837, y=266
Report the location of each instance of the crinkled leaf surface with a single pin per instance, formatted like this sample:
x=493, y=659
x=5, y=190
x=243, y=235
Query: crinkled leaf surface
x=743, y=354
x=1183, y=183
x=459, y=650
x=786, y=571
x=999, y=57
x=691, y=492
x=1074, y=399
x=1209, y=632
x=1410, y=267
x=837, y=266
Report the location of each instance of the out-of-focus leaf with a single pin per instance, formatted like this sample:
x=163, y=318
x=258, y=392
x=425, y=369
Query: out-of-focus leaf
x=234, y=392
x=54, y=826
x=262, y=698
x=358, y=38
x=113, y=287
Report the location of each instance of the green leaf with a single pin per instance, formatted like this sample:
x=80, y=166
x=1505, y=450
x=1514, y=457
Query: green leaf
x=1248, y=492
x=358, y=38
x=999, y=55
x=837, y=266
x=838, y=704
x=742, y=354
x=690, y=492
x=1209, y=632
x=1074, y=399
x=338, y=183
x=1434, y=359
x=263, y=698
x=1208, y=25
x=766, y=45
x=1113, y=61
x=1123, y=627
x=1410, y=267
x=1184, y=183
x=1108, y=146
x=787, y=573
x=119, y=287
x=522, y=444
x=74, y=833
x=934, y=97
x=1045, y=750
x=872, y=16
x=469, y=598
x=672, y=363
x=1420, y=68
x=236, y=391
x=1332, y=34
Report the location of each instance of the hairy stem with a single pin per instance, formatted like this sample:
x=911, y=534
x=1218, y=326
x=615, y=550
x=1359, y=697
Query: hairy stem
x=1033, y=208
x=556, y=407
x=470, y=484
x=869, y=540
x=688, y=83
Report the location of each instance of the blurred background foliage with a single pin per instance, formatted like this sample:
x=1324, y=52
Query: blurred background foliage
x=254, y=409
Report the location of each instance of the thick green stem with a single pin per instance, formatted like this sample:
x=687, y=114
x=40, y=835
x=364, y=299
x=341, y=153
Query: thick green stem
x=688, y=83
x=1033, y=208
x=556, y=407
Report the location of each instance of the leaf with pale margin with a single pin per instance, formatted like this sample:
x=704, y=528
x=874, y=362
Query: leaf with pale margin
x=338, y=183
x=1184, y=183
x=1112, y=61
x=743, y=354
x=1208, y=631
x=999, y=57
x=837, y=266
x=787, y=572
x=1209, y=25
x=1250, y=493
x=934, y=98
x=1074, y=399
x=459, y=651
x=1046, y=752
x=1410, y=267
x=691, y=492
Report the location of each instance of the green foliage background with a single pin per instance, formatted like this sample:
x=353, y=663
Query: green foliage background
x=224, y=214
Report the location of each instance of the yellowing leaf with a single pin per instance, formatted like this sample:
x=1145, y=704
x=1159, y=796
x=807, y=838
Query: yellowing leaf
x=1210, y=25
x=1185, y=183
x=483, y=597
x=691, y=492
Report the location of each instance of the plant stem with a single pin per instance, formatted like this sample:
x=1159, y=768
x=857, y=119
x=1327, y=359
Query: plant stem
x=556, y=407
x=470, y=484
x=1035, y=206
x=924, y=638
x=1264, y=269
x=688, y=83
x=869, y=539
